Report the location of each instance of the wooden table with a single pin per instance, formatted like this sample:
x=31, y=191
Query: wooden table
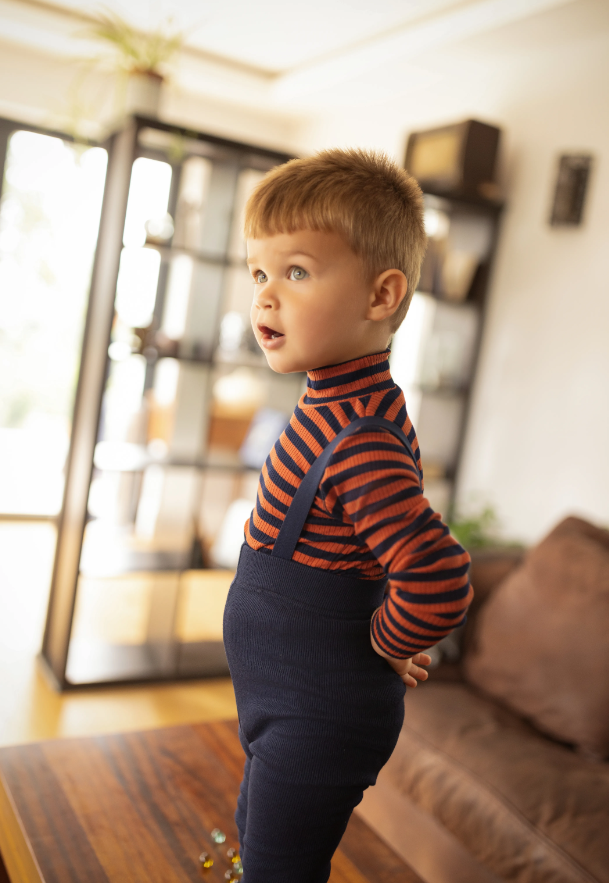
x=140, y=807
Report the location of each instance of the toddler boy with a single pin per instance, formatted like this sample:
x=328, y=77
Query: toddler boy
x=346, y=574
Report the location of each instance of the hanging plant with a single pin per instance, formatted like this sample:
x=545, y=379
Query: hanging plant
x=141, y=56
x=134, y=51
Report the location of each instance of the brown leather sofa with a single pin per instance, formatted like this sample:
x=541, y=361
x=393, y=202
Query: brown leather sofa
x=501, y=771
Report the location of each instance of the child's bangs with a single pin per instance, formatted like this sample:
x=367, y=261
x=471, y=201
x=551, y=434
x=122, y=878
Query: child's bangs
x=286, y=211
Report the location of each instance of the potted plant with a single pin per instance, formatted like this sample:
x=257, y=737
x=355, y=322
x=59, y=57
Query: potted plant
x=140, y=56
x=475, y=530
x=478, y=532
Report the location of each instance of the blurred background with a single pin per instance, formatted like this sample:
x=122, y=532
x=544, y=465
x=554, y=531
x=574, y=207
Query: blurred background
x=135, y=407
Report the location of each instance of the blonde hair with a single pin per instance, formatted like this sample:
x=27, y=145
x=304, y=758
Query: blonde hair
x=360, y=194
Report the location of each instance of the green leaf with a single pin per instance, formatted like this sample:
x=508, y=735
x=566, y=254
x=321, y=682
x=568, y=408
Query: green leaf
x=133, y=50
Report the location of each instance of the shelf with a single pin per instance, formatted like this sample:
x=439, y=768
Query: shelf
x=98, y=563
x=131, y=458
x=237, y=358
x=167, y=251
x=240, y=360
x=437, y=472
x=253, y=154
x=468, y=199
x=458, y=304
x=244, y=360
x=102, y=663
x=442, y=390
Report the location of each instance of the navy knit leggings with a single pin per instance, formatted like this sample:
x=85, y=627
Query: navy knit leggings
x=319, y=711
x=291, y=830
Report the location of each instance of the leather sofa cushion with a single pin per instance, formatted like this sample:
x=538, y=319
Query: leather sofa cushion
x=540, y=644
x=529, y=809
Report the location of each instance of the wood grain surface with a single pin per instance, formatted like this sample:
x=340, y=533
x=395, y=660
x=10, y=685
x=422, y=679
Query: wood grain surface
x=140, y=807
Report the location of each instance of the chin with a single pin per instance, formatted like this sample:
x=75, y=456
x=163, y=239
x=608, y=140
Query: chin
x=282, y=365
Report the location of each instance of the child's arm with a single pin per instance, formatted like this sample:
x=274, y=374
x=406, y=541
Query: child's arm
x=372, y=482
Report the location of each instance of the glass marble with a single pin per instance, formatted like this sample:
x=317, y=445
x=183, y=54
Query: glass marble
x=206, y=860
x=218, y=836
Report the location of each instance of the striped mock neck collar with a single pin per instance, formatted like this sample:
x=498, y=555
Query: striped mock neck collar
x=348, y=380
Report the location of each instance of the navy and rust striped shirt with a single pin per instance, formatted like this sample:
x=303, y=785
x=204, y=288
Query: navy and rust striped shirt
x=369, y=517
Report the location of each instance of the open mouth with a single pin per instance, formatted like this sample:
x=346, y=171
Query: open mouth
x=269, y=333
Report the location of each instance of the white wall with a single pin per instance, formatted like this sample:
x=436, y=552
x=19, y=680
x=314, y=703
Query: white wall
x=538, y=441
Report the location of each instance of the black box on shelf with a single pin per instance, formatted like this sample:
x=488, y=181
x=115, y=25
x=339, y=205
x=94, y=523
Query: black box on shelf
x=456, y=160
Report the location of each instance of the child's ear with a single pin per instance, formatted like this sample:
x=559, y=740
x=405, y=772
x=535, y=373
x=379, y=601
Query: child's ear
x=388, y=291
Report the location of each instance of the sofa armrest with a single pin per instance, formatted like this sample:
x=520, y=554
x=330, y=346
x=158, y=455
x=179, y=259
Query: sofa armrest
x=489, y=568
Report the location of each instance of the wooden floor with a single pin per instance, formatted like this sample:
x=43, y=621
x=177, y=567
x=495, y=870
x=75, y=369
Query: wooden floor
x=29, y=708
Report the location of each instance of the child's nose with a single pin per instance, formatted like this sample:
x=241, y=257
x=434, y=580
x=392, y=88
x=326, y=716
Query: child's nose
x=266, y=295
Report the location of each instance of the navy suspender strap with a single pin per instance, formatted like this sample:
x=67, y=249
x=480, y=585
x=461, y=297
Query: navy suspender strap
x=297, y=513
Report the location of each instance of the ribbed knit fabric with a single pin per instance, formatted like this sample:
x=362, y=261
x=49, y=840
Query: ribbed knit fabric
x=303, y=670
x=369, y=517
x=319, y=711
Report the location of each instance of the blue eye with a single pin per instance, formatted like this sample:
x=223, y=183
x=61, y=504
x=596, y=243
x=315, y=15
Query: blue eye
x=260, y=277
x=297, y=273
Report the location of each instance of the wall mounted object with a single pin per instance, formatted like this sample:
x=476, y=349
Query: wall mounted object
x=455, y=160
x=570, y=189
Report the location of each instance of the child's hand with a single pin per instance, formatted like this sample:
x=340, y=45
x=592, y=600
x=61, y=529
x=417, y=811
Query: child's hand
x=408, y=669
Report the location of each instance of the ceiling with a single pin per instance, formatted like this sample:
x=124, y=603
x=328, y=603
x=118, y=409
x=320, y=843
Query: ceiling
x=272, y=35
x=283, y=54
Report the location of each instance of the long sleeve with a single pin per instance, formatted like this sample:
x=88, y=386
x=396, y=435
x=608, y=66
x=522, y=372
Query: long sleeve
x=372, y=483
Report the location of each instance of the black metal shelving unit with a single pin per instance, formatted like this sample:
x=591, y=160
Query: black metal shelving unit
x=451, y=303
x=141, y=481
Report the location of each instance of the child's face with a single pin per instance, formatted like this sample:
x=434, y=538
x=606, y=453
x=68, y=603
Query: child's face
x=314, y=292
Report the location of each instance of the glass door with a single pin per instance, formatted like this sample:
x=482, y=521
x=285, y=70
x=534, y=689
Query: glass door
x=52, y=193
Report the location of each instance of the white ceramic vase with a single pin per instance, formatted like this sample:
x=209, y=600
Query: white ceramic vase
x=143, y=95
